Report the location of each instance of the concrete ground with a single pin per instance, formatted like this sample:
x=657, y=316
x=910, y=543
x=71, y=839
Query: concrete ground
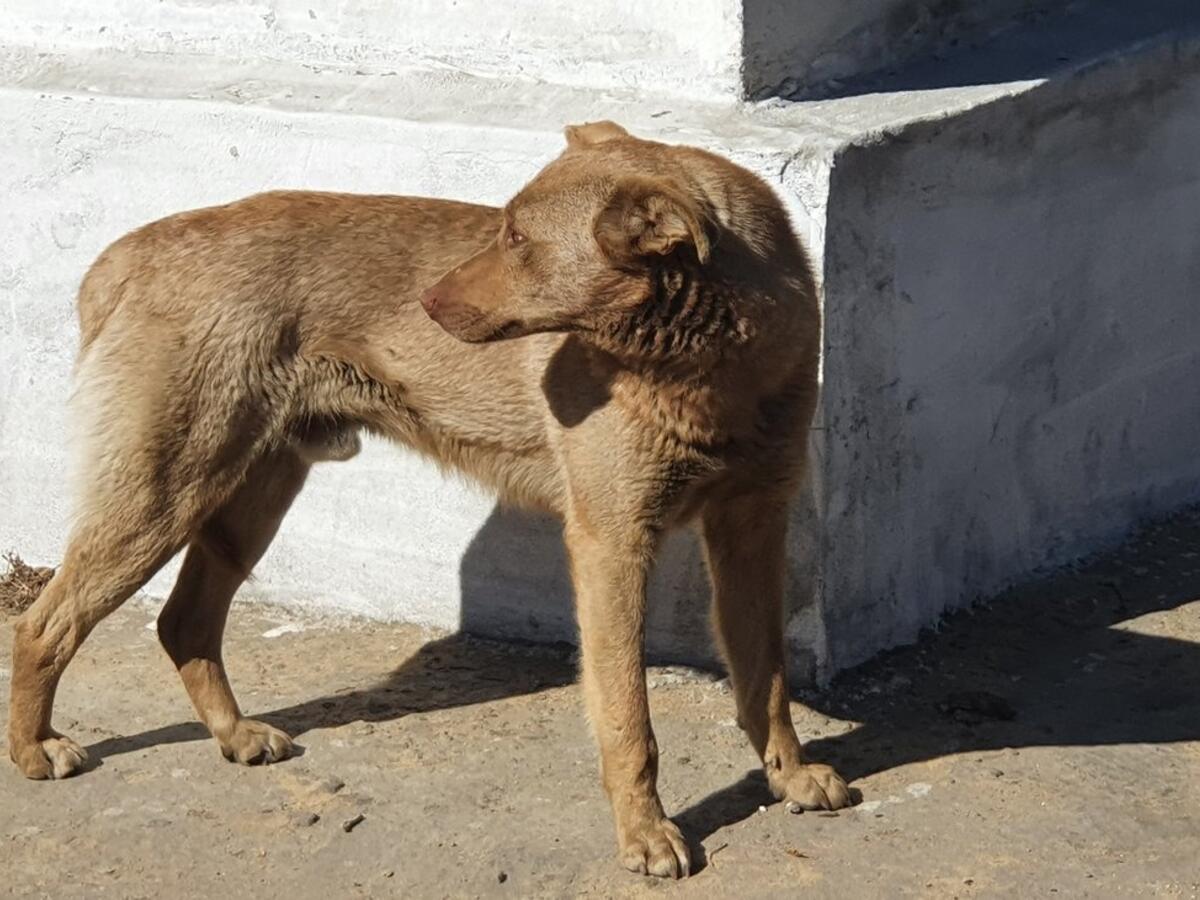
x=1046, y=745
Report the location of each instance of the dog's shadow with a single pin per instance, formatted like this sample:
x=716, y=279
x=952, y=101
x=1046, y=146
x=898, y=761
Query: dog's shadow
x=1049, y=664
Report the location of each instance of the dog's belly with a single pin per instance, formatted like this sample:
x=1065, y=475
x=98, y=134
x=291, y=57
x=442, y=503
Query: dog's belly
x=474, y=409
x=520, y=472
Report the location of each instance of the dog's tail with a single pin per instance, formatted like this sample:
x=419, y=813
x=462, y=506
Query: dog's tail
x=102, y=290
x=110, y=398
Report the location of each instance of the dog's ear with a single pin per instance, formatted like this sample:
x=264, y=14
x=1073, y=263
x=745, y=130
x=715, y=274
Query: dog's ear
x=644, y=218
x=590, y=133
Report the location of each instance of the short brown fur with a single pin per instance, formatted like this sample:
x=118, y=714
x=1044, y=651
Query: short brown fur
x=665, y=374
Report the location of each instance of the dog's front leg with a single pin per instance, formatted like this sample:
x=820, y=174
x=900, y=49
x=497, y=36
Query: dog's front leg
x=745, y=545
x=609, y=572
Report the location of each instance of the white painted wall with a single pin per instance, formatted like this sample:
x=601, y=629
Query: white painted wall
x=385, y=534
x=77, y=173
x=1033, y=398
x=1013, y=342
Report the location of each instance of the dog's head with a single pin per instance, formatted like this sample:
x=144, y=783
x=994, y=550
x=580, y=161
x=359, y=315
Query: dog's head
x=580, y=245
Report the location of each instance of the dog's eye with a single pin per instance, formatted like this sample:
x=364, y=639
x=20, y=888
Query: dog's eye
x=515, y=237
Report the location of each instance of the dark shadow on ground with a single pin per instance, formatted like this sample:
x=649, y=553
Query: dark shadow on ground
x=459, y=670
x=180, y=733
x=1047, y=664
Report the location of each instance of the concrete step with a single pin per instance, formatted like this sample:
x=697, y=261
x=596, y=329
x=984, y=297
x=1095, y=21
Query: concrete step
x=1009, y=275
x=698, y=48
x=604, y=44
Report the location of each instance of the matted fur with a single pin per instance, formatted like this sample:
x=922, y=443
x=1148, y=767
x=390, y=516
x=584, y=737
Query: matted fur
x=630, y=343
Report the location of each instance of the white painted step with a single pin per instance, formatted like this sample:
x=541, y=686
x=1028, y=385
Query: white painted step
x=705, y=49
x=1011, y=350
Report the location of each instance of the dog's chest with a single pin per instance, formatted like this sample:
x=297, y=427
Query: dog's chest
x=690, y=421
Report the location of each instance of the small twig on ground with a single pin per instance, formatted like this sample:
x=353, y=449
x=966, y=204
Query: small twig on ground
x=21, y=585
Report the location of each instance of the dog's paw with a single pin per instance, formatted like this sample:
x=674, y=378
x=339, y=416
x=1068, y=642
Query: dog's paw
x=814, y=786
x=54, y=757
x=253, y=743
x=656, y=848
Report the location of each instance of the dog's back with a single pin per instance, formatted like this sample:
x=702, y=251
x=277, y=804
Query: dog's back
x=292, y=318
x=286, y=247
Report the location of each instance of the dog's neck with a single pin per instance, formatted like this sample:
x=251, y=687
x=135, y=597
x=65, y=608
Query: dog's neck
x=681, y=322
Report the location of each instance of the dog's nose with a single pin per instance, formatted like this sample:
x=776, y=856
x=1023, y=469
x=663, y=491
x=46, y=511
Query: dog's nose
x=429, y=300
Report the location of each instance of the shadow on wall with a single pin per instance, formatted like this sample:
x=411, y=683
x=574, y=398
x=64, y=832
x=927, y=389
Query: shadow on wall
x=515, y=581
x=516, y=585
x=1042, y=44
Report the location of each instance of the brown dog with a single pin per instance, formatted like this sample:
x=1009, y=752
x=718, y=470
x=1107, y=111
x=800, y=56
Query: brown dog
x=671, y=379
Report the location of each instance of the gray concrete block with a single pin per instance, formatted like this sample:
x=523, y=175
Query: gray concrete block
x=1012, y=342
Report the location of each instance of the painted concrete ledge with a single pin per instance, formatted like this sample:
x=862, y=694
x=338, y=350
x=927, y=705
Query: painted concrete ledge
x=1011, y=362
x=692, y=48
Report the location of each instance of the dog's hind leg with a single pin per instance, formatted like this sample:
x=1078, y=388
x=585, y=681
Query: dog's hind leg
x=745, y=546
x=156, y=461
x=114, y=549
x=191, y=625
